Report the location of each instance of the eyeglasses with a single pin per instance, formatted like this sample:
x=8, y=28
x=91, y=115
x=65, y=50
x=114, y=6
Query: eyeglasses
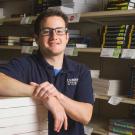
x=48, y=31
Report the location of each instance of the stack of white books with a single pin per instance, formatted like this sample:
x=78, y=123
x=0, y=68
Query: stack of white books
x=22, y=116
x=9, y=40
x=95, y=73
x=66, y=10
x=78, y=6
x=106, y=87
x=1, y=13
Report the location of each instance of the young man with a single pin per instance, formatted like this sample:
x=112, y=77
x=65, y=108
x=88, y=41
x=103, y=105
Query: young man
x=62, y=84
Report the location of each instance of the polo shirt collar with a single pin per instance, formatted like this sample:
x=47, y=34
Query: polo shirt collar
x=68, y=65
x=42, y=61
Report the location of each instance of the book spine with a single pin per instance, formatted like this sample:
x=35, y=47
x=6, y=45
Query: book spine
x=123, y=125
x=121, y=131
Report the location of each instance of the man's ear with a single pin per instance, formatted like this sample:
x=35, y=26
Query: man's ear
x=67, y=37
x=36, y=39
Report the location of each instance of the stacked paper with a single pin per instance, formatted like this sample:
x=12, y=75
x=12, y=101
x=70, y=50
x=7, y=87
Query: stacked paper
x=66, y=10
x=1, y=13
x=22, y=116
x=106, y=87
x=95, y=73
x=9, y=40
x=77, y=6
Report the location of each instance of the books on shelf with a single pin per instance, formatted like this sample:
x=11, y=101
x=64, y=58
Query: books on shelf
x=120, y=5
x=66, y=10
x=16, y=40
x=95, y=73
x=76, y=40
x=131, y=90
x=118, y=36
x=122, y=126
x=111, y=133
x=106, y=87
x=76, y=6
x=123, y=123
x=115, y=36
x=1, y=13
x=9, y=40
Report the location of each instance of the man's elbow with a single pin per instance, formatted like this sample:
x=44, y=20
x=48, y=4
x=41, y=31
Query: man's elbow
x=87, y=120
x=87, y=117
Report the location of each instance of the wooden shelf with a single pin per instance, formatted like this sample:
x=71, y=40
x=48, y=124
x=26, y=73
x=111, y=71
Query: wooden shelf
x=92, y=50
x=124, y=99
x=16, y=20
x=107, y=17
x=99, y=126
x=10, y=47
x=10, y=0
x=15, y=47
x=99, y=17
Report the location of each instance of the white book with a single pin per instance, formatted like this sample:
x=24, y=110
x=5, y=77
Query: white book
x=80, y=45
x=66, y=10
x=24, y=119
x=22, y=116
x=43, y=132
x=20, y=129
x=133, y=1
x=74, y=1
x=26, y=110
x=1, y=13
x=88, y=130
x=111, y=133
x=74, y=32
x=8, y=102
x=95, y=73
x=108, y=87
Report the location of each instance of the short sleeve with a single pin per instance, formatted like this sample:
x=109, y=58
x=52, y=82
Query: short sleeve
x=16, y=69
x=84, y=88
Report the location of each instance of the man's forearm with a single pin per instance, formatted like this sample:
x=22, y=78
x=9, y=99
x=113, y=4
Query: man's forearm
x=12, y=87
x=78, y=111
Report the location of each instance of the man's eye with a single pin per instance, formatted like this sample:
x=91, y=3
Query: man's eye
x=45, y=31
x=60, y=31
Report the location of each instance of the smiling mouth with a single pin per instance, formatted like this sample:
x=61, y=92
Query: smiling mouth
x=54, y=44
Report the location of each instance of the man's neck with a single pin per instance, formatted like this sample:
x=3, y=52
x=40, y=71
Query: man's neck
x=56, y=61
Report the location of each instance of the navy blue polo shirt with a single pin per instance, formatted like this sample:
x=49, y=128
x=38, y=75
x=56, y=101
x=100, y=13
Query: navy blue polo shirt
x=73, y=80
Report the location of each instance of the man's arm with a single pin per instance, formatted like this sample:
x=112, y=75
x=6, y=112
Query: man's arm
x=12, y=87
x=78, y=111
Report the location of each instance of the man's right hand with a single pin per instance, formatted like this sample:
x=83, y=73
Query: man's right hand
x=53, y=105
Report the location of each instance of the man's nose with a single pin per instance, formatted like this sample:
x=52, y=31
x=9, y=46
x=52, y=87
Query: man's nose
x=53, y=34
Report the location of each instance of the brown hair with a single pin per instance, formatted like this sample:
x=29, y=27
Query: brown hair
x=46, y=14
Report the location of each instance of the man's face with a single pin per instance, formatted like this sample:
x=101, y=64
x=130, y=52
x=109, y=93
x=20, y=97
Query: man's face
x=53, y=36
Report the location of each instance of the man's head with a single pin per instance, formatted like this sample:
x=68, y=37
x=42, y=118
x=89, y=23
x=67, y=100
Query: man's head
x=51, y=32
x=48, y=13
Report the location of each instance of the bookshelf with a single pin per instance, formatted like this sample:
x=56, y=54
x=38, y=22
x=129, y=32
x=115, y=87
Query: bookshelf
x=124, y=99
x=16, y=47
x=86, y=54
x=99, y=17
x=110, y=17
x=99, y=127
x=77, y=50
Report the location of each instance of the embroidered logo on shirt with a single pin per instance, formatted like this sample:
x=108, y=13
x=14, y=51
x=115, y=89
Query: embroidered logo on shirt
x=72, y=81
